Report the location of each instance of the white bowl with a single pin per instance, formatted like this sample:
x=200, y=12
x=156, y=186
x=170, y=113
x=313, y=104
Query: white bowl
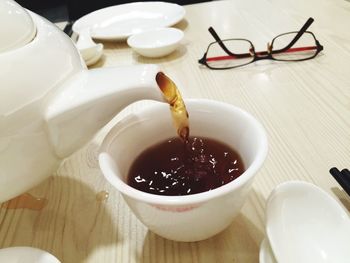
x=191, y=217
x=156, y=43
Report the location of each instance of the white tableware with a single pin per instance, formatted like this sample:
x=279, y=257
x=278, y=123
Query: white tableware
x=156, y=43
x=89, y=50
x=191, y=217
x=122, y=21
x=51, y=105
x=16, y=26
x=26, y=255
x=265, y=254
x=305, y=224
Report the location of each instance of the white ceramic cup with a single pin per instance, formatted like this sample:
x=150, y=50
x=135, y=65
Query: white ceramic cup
x=191, y=217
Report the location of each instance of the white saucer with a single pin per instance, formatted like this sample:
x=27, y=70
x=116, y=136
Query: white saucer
x=121, y=21
x=156, y=43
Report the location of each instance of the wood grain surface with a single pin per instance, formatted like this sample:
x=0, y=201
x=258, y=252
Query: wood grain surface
x=304, y=107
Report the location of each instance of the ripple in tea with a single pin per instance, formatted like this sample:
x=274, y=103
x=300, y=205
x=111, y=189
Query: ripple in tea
x=175, y=167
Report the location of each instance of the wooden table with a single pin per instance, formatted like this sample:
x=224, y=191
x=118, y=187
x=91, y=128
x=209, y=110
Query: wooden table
x=304, y=106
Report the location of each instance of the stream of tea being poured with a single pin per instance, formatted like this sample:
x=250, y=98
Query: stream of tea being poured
x=177, y=106
x=183, y=165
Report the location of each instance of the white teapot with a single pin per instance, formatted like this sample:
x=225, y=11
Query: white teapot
x=50, y=104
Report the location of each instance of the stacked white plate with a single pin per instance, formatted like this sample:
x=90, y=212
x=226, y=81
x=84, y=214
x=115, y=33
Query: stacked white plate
x=121, y=21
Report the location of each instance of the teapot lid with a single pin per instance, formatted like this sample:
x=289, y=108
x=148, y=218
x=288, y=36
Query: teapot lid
x=16, y=26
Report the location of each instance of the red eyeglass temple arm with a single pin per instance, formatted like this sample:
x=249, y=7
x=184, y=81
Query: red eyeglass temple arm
x=260, y=53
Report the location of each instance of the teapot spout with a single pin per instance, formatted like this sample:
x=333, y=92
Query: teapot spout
x=92, y=98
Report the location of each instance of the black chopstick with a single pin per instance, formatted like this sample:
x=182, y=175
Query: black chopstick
x=346, y=173
x=342, y=177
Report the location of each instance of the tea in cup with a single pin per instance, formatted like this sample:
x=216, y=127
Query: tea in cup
x=189, y=217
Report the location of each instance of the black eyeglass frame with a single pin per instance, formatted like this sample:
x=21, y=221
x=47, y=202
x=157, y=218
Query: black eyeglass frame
x=261, y=55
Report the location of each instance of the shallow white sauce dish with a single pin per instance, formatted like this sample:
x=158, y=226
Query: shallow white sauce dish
x=305, y=224
x=156, y=43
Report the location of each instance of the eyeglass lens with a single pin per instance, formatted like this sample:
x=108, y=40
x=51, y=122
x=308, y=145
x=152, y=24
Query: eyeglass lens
x=304, y=48
x=240, y=54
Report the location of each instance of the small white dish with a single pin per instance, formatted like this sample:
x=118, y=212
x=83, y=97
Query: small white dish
x=26, y=254
x=121, y=21
x=156, y=43
x=305, y=224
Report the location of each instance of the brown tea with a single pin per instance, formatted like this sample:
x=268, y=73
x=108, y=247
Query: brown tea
x=173, y=167
x=184, y=165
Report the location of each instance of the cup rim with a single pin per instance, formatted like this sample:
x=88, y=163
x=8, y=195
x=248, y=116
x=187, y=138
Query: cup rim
x=248, y=174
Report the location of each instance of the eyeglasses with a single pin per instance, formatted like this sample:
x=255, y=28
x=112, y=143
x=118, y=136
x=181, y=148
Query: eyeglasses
x=232, y=53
